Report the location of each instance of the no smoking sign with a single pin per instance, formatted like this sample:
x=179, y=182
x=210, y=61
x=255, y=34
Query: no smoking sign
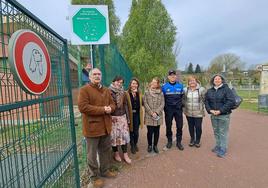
x=29, y=61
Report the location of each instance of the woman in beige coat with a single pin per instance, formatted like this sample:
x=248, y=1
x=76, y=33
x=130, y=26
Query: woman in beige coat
x=194, y=109
x=154, y=105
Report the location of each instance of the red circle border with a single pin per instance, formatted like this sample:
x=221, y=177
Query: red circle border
x=19, y=44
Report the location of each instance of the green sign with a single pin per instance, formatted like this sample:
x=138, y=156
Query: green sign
x=89, y=24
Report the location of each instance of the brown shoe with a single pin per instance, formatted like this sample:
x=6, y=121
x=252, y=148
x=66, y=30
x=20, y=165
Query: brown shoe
x=97, y=183
x=109, y=174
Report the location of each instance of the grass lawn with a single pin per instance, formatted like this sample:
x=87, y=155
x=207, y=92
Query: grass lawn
x=250, y=101
x=248, y=94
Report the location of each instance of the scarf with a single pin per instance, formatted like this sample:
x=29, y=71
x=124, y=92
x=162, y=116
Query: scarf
x=154, y=92
x=119, y=95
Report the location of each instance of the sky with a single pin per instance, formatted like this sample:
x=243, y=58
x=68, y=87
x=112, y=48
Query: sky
x=205, y=29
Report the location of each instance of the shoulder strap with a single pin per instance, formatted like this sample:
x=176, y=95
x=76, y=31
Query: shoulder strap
x=198, y=95
x=186, y=93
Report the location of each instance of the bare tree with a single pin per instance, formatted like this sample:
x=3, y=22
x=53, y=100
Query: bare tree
x=226, y=62
x=177, y=49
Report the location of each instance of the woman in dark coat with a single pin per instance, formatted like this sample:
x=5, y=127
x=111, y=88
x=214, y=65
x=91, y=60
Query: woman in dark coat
x=219, y=101
x=134, y=98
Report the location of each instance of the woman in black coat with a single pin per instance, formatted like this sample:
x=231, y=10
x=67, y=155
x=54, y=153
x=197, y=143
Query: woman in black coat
x=219, y=101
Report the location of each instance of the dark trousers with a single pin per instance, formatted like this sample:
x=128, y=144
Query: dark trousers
x=123, y=147
x=134, y=135
x=153, y=131
x=195, y=128
x=98, y=145
x=171, y=113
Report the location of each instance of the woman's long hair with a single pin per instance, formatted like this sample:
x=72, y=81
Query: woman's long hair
x=133, y=79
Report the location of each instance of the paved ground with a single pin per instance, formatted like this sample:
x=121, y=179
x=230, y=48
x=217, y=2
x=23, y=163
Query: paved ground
x=246, y=164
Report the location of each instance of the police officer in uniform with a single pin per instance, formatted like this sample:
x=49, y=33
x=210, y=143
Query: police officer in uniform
x=173, y=94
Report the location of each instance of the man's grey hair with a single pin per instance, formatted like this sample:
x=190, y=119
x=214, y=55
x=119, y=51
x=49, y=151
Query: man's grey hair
x=90, y=72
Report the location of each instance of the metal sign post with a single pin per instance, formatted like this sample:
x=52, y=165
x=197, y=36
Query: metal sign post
x=91, y=55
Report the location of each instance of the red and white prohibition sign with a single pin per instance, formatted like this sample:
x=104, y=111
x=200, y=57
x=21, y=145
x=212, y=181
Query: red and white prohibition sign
x=29, y=61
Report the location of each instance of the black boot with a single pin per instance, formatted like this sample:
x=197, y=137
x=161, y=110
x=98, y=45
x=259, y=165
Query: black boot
x=169, y=144
x=132, y=148
x=149, y=149
x=180, y=146
x=156, y=149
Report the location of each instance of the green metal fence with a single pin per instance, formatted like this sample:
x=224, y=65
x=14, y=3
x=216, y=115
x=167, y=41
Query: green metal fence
x=106, y=57
x=111, y=63
x=37, y=136
x=109, y=60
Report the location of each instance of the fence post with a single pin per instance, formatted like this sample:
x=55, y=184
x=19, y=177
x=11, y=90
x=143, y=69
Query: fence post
x=71, y=110
x=79, y=67
x=102, y=64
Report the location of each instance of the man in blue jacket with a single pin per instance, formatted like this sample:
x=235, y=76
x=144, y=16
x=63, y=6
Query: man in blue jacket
x=173, y=93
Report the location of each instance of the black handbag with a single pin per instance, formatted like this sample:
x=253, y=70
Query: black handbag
x=238, y=99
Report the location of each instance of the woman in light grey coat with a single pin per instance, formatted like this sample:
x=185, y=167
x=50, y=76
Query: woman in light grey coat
x=154, y=105
x=194, y=96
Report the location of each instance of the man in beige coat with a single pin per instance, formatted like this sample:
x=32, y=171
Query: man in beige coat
x=96, y=105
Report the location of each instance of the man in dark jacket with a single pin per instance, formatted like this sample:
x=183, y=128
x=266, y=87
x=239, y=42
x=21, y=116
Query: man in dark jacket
x=219, y=101
x=96, y=105
x=173, y=94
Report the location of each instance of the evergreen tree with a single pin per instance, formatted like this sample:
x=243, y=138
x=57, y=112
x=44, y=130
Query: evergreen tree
x=190, y=69
x=148, y=38
x=197, y=69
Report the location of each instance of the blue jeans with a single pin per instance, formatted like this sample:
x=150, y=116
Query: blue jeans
x=220, y=126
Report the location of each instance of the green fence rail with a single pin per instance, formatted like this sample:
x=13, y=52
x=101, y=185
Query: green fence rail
x=37, y=135
x=111, y=63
